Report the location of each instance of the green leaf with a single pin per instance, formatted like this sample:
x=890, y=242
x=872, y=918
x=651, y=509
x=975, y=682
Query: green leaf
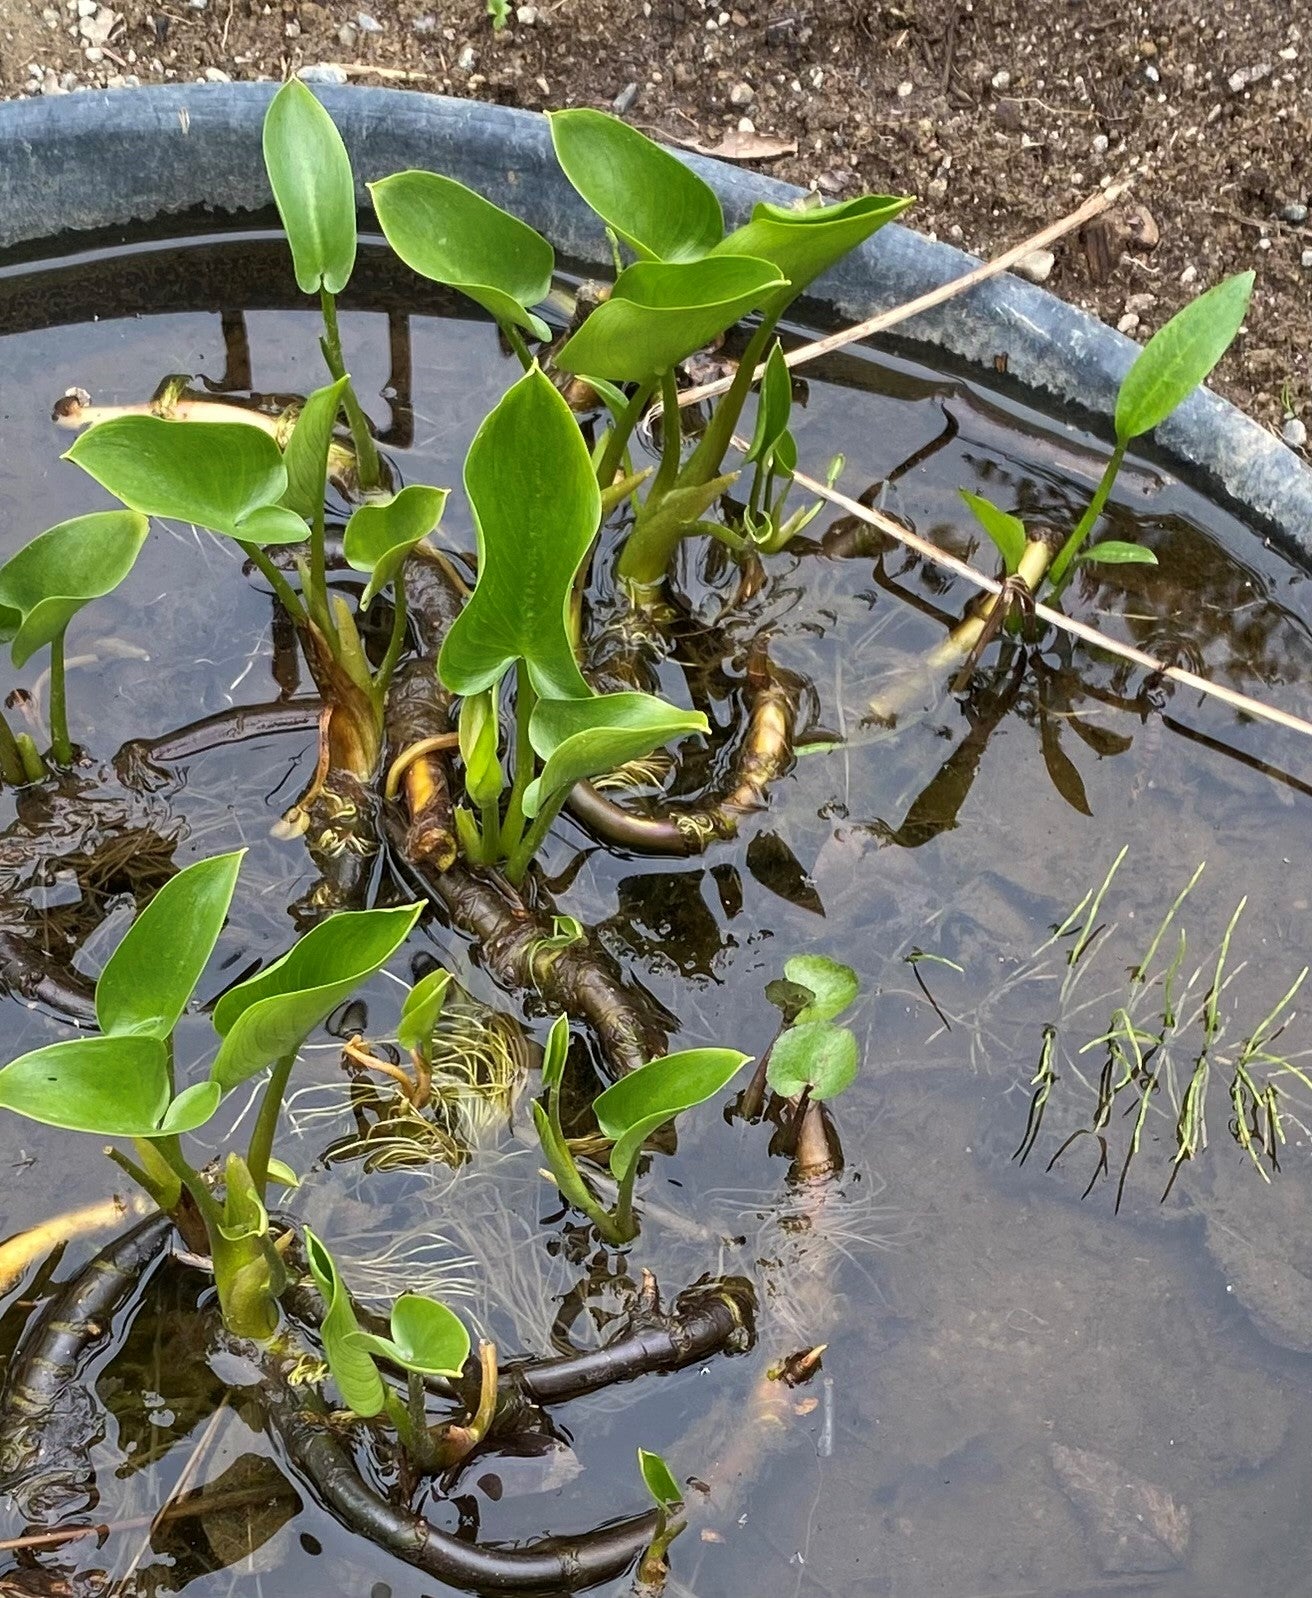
x=581, y=738
x=1114, y=552
x=816, y=1055
x=802, y=244
x=630, y=1110
x=1007, y=532
x=191, y=1109
x=656, y=204
x=310, y=175
x=150, y=976
x=536, y=506
x=215, y=474
x=555, y=1053
x=282, y=1173
x=833, y=986
x=659, y=1479
x=306, y=454
x=381, y=533
x=774, y=407
x=790, y=997
x=420, y=1012
x=115, y=1087
x=49, y=580
x=244, y=1214
x=269, y=1016
x=353, y=1368
x=480, y=734
x=427, y=1338
x=449, y=234
x=1178, y=356
x=270, y=524
x=660, y=311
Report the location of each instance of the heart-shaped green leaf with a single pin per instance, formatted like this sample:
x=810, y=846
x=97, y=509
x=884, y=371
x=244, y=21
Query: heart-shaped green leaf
x=114, y=1087
x=1179, y=355
x=269, y=1016
x=581, y=738
x=449, y=234
x=306, y=454
x=191, y=1109
x=427, y=1338
x=421, y=1010
x=536, y=506
x=215, y=474
x=1006, y=532
x=630, y=1110
x=774, y=406
x=832, y=985
x=310, y=175
x=802, y=244
x=381, y=533
x=348, y=1359
x=816, y=1055
x=660, y=311
x=49, y=580
x=148, y=979
x=658, y=206
x=659, y=1479
x=1115, y=552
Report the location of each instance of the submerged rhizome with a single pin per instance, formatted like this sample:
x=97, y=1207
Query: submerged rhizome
x=500, y=691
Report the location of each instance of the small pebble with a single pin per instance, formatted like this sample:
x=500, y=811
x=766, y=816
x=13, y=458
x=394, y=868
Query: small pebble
x=368, y=24
x=87, y=8
x=1001, y=80
x=1128, y=323
x=425, y=24
x=322, y=72
x=904, y=89
x=1247, y=76
x=465, y=60
x=1305, y=259
x=1189, y=275
x=936, y=189
x=742, y=94
x=623, y=101
x=1294, y=432
x=1152, y=74
x=1294, y=212
x=1139, y=303
x=526, y=15
x=1100, y=142
x=1036, y=267
x=217, y=75
x=347, y=34
x=746, y=125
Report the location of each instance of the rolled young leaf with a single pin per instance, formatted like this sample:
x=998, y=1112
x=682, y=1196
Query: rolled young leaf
x=1116, y=552
x=215, y=474
x=313, y=186
x=449, y=234
x=269, y=1016
x=427, y=1338
x=50, y=579
x=381, y=533
x=814, y=1054
x=480, y=736
x=1179, y=355
x=536, y=506
x=659, y=312
x=582, y=738
x=630, y=1110
x=773, y=408
x=151, y=975
x=832, y=985
x=306, y=454
x=656, y=204
x=803, y=244
x=349, y=1360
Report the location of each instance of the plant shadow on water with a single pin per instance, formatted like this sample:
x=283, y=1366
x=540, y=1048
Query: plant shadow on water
x=993, y=1341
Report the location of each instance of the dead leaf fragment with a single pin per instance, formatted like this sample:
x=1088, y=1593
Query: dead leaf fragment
x=1135, y=1526
x=736, y=146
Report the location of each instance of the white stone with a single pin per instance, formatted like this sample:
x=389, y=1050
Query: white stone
x=1002, y=80
x=746, y=125
x=742, y=94
x=1100, y=144
x=1294, y=432
x=1128, y=323
x=1036, y=267
x=527, y=15
x=367, y=24
x=217, y=75
x=322, y=72
x=1189, y=275
x=904, y=89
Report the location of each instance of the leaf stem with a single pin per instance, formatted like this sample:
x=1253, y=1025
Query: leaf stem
x=33, y=765
x=170, y=1150
x=396, y=642
x=60, y=744
x=622, y=431
x=532, y=840
x=671, y=437
x=704, y=462
x=1071, y=548
x=515, y=339
x=368, y=467
x=266, y=1123
x=285, y=593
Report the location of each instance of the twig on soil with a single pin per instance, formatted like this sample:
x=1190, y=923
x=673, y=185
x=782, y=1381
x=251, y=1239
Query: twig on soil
x=1095, y=205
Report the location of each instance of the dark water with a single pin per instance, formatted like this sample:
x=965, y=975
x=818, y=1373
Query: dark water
x=999, y=1349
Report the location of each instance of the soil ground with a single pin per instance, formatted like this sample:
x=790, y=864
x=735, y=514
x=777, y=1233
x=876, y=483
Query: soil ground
x=999, y=114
